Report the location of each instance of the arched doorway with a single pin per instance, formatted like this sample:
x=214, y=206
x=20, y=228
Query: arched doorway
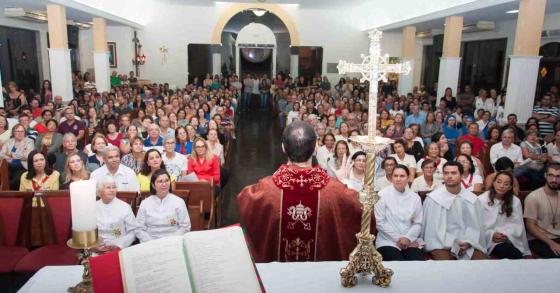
x=549, y=68
x=249, y=34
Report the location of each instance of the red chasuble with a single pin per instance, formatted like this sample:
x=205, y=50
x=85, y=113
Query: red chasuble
x=300, y=214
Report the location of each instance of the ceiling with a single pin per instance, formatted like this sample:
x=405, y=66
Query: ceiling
x=493, y=13
x=41, y=5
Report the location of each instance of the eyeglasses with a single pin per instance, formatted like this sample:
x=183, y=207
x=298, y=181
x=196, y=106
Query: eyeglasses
x=200, y=146
x=557, y=177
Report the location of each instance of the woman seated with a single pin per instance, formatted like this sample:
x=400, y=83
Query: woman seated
x=411, y=145
x=503, y=164
x=404, y=158
x=343, y=132
x=387, y=165
x=184, y=143
x=203, y=163
x=341, y=153
x=443, y=144
x=353, y=174
x=427, y=180
x=398, y=218
x=74, y=170
x=152, y=162
x=50, y=141
x=215, y=146
x=126, y=143
x=326, y=151
x=16, y=151
x=469, y=179
x=115, y=221
x=135, y=158
x=534, y=158
x=162, y=214
x=40, y=176
x=433, y=153
x=112, y=133
x=503, y=219
x=95, y=160
x=465, y=147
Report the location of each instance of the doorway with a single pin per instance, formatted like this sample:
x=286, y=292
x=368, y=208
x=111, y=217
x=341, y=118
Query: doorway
x=255, y=61
x=483, y=64
x=549, y=68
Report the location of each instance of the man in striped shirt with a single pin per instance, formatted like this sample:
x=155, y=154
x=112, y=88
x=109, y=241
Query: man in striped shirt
x=546, y=114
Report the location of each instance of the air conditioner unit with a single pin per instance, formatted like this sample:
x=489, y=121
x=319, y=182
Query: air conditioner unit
x=550, y=33
x=481, y=26
x=20, y=13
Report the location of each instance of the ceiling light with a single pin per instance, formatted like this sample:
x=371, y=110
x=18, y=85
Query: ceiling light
x=258, y=12
x=512, y=11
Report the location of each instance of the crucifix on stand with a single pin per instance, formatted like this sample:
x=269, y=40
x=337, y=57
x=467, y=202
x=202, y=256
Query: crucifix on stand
x=365, y=259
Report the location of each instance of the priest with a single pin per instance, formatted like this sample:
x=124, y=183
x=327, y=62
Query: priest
x=299, y=213
x=453, y=227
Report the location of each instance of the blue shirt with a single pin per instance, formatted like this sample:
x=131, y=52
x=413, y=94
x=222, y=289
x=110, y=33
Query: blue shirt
x=148, y=142
x=414, y=119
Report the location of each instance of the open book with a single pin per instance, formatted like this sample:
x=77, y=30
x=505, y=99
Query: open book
x=204, y=261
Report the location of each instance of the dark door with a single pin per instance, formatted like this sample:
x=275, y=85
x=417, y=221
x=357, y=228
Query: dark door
x=483, y=64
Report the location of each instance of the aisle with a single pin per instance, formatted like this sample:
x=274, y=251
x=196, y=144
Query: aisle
x=256, y=153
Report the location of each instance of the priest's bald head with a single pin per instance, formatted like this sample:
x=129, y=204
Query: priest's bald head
x=298, y=141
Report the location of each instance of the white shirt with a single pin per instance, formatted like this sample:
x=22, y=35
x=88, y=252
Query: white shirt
x=218, y=150
x=380, y=183
x=408, y=160
x=124, y=177
x=174, y=166
x=116, y=223
x=450, y=219
x=292, y=116
x=438, y=173
x=398, y=215
x=513, y=226
x=513, y=152
x=160, y=218
x=469, y=182
x=419, y=184
x=323, y=156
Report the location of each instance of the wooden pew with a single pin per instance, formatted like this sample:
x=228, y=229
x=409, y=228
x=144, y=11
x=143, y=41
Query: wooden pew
x=201, y=191
x=130, y=197
x=196, y=215
x=4, y=179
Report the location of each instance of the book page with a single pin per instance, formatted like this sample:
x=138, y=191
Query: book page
x=219, y=261
x=156, y=266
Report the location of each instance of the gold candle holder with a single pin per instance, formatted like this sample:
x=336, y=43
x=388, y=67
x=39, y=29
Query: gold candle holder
x=365, y=259
x=83, y=242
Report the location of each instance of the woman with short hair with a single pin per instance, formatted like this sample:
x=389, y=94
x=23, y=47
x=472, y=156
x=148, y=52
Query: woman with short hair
x=162, y=214
x=326, y=151
x=95, y=161
x=116, y=224
x=398, y=218
x=50, y=141
x=135, y=158
x=502, y=215
x=16, y=151
x=403, y=158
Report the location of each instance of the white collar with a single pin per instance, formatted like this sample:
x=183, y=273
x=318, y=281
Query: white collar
x=444, y=198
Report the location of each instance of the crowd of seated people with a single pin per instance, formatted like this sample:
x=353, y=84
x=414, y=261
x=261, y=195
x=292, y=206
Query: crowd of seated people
x=495, y=159
x=142, y=137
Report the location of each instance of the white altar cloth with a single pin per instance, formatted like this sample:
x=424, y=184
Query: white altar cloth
x=510, y=276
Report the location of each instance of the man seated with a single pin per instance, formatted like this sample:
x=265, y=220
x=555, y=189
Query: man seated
x=506, y=148
x=124, y=177
x=453, y=225
x=542, y=215
x=299, y=213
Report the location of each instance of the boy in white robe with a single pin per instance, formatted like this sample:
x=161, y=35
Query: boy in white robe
x=452, y=226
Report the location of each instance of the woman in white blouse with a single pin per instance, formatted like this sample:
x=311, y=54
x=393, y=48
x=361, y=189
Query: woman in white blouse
x=469, y=179
x=398, y=217
x=503, y=219
x=427, y=181
x=325, y=153
x=215, y=146
x=115, y=221
x=162, y=214
x=404, y=158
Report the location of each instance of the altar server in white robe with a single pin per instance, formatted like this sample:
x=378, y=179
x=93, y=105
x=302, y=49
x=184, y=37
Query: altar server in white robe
x=116, y=223
x=398, y=217
x=503, y=219
x=162, y=214
x=452, y=226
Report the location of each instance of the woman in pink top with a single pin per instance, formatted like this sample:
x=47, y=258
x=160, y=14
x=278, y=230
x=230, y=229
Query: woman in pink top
x=113, y=136
x=204, y=163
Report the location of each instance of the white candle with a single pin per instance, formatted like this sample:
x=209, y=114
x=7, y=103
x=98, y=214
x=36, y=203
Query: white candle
x=82, y=201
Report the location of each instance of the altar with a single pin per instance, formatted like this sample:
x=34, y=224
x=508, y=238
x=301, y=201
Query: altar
x=510, y=276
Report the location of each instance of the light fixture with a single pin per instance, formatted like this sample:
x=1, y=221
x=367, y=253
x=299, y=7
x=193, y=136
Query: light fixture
x=258, y=12
x=512, y=11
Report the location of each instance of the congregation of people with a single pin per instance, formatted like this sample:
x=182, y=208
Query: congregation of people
x=468, y=157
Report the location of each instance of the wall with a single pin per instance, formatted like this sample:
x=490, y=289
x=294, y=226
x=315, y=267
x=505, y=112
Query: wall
x=42, y=51
x=122, y=36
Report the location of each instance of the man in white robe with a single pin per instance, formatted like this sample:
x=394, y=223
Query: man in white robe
x=453, y=225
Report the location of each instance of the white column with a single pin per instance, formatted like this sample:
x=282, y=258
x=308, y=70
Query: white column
x=406, y=81
x=216, y=63
x=294, y=66
x=102, y=76
x=237, y=63
x=61, y=73
x=521, y=86
x=448, y=75
x=274, y=53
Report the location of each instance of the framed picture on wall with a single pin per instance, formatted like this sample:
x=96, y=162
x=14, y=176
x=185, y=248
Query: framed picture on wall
x=112, y=46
